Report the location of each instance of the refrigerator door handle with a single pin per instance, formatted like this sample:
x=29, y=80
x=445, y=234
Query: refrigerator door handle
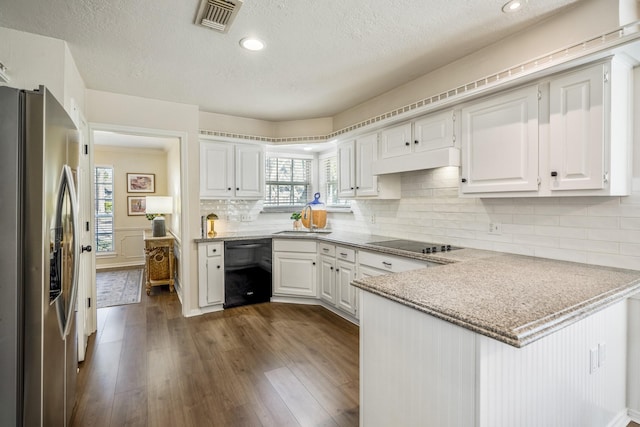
x=65, y=311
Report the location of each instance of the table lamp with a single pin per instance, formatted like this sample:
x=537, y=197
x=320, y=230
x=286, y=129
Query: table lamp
x=155, y=208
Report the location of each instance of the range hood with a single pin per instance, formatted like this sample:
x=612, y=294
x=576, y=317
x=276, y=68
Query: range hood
x=441, y=157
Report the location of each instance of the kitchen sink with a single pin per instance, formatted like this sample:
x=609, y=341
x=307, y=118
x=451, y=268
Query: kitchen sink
x=301, y=232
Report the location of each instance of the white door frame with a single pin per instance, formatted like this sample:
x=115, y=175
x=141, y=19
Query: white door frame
x=183, y=271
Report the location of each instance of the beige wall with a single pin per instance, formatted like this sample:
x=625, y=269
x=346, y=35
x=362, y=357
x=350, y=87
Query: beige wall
x=255, y=127
x=128, y=229
x=588, y=19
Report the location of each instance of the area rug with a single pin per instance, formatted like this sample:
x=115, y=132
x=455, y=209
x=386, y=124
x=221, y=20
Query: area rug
x=118, y=287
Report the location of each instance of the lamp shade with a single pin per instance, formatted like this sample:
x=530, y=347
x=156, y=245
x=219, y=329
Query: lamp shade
x=159, y=204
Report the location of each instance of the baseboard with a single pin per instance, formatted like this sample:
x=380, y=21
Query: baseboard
x=620, y=420
x=634, y=415
x=340, y=313
x=119, y=266
x=204, y=310
x=296, y=300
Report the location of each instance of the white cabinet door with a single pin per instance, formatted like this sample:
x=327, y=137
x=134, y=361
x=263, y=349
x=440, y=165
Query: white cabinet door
x=346, y=272
x=500, y=143
x=366, y=154
x=216, y=169
x=327, y=278
x=211, y=274
x=249, y=173
x=215, y=280
x=346, y=169
x=576, y=130
x=433, y=132
x=294, y=274
x=396, y=141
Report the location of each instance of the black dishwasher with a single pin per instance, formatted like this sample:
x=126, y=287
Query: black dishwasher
x=247, y=272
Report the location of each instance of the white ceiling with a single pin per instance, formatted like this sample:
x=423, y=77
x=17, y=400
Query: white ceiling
x=322, y=57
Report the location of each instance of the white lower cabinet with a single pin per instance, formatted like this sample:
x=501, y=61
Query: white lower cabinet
x=211, y=274
x=294, y=268
x=337, y=270
x=376, y=264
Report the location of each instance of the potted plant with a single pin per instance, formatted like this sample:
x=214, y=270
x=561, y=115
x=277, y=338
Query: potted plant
x=297, y=224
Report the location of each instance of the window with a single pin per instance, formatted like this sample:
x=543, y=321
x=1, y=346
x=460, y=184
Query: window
x=329, y=181
x=288, y=181
x=104, y=209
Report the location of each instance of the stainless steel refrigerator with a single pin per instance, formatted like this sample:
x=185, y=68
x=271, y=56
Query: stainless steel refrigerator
x=38, y=259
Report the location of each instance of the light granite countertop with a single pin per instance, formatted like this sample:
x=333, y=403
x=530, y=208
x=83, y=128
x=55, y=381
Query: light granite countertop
x=511, y=298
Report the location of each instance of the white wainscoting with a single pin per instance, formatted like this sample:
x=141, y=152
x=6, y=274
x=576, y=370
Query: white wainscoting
x=416, y=370
x=548, y=382
x=633, y=358
x=129, y=249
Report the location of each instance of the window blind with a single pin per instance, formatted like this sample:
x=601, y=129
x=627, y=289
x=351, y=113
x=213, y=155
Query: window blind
x=288, y=181
x=104, y=208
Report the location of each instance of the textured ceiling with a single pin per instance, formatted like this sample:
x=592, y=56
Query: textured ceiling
x=322, y=57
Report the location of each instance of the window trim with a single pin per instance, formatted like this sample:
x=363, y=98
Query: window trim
x=313, y=178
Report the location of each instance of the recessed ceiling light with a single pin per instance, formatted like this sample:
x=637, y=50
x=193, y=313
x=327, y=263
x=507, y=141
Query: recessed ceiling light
x=513, y=6
x=251, y=43
x=308, y=148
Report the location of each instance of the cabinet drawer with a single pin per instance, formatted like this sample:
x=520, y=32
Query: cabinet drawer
x=292, y=245
x=326, y=249
x=345, y=254
x=215, y=249
x=390, y=263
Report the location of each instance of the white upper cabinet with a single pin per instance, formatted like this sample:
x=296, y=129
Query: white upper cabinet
x=366, y=154
x=347, y=169
x=396, y=141
x=425, y=143
x=216, y=169
x=355, y=171
x=588, y=140
x=575, y=142
x=249, y=171
x=500, y=143
x=230, y=170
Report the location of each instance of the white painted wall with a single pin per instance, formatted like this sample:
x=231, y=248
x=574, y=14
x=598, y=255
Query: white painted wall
x=173, y=119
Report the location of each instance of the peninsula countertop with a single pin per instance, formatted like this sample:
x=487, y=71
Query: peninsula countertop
x=512, y=298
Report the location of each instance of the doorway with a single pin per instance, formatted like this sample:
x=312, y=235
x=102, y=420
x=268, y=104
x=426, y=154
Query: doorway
x=117, y=228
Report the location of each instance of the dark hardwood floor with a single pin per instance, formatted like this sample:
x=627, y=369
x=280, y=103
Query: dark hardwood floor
x=261, y=365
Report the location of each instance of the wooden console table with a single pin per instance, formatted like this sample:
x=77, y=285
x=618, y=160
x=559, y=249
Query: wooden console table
x=158, y=261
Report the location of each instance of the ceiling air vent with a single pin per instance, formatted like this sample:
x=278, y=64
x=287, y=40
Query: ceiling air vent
x=218, y=14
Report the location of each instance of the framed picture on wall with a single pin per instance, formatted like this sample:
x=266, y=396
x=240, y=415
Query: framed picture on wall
x=136, y=205
x=141, y=183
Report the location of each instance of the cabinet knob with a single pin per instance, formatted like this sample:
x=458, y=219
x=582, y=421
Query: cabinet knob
x=337, y=269
x=352, y=188
x=313, y=263
x=215, y=250
x=229, y=189
x=464, y=180
x=554, y=173
x=407, y=143
x=357, y=188
x=416, y=141
x=237, y=188
x=331, y=268
x=218, y=267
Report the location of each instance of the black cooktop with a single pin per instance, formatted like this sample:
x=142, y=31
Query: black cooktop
x=413, y=246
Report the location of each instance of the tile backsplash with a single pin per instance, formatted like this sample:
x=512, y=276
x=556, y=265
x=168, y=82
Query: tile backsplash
x=592, y=230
